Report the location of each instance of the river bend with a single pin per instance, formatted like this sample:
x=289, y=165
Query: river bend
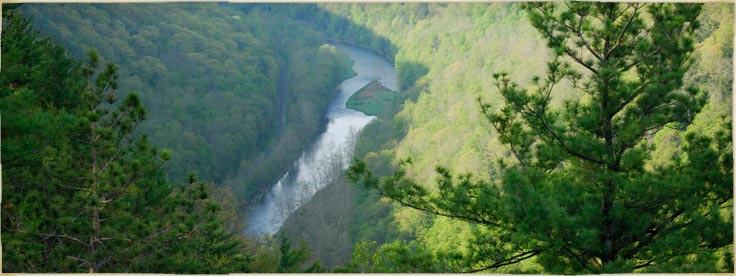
x=332, y=150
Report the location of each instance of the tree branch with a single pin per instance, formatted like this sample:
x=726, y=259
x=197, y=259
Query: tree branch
x=634, y=63
x=553, y=135
x=511, y=260
x=575, y=256
x=430, y=208
x=626, y=27
x=579, y=61
x=66, y=237
x=648, y=263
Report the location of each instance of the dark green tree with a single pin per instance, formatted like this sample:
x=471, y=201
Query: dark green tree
x=294, y=259
x=37, y=63
x=114, y=210
x=81, y=191
x=70, y=204
x=113, y=161
x=34, y=129
x=190, y=236
x=580, y=194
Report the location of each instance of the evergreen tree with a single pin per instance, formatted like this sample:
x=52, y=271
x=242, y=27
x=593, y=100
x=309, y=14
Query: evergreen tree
x=113, y=160
x=191, y=236
x=81, y=191
x=580, y=194
x=33, y=130
x=293, y=259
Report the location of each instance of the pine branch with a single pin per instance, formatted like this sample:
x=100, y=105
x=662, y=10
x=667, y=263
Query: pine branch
x=66, y=237
x=507, y=261
x=575, y=256
x=645, y=264
x=640, y=60
x=428, y=207
x=625, y=28
x=579, y=61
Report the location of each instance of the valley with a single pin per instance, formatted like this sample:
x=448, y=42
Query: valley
x=547, y=138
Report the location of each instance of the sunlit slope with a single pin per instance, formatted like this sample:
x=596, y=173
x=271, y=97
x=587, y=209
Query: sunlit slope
x=461, y=46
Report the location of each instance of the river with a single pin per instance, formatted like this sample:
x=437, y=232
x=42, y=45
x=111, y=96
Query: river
x=332, y=150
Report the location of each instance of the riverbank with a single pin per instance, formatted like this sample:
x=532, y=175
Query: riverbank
x=373, y=99
x=322, y=162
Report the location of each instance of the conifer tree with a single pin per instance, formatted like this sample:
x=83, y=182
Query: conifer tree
x=82, y=192
x=580, y=195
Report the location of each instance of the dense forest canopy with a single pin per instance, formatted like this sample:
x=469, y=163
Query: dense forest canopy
x=210, y=77
x=446, y=118
x=565, y=137
x=578, y=196
x=86, y=190
x=81, y=193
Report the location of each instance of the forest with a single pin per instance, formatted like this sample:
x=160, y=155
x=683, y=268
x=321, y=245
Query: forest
x=552, y=138
x=210, y=94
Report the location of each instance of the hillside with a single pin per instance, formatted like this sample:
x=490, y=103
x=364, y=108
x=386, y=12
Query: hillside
x=524, y=137
x=444, y=126
x=210, y=75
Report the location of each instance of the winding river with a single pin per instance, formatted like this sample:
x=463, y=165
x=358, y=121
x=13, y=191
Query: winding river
x=332, y=151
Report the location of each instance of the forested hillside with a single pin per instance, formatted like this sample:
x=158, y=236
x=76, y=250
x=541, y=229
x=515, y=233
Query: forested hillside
x=82, y=192
x=550, y=137
x=453, y=50
x=86, y=185
x=211, y=77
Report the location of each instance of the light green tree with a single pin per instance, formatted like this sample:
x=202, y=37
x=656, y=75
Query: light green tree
x=578, y=195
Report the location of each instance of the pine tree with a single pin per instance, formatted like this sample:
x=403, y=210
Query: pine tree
x=82, y=192
x=99, y=171
x=192, y=237
x=293, y=259
x=33, y=130
x=579, y=195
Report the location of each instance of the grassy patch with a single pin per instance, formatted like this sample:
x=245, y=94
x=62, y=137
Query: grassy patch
x=373, y=99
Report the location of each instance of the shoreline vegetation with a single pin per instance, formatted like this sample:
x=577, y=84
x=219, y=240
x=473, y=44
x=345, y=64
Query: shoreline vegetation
x=557, y=137
x=373, y=99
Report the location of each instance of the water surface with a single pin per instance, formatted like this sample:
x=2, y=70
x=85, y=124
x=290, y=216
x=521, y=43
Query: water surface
x=332, y=151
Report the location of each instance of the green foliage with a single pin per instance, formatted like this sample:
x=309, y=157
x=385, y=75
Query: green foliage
x=212, y=77
x=546, y=206
x=82, y=193
x=373, y=99
x=337, y=26
x=448, y=90
x=409, y=72
x=166, y=53
x=39, y=64
x=194, y=236
x=292, y=259
x=393, y=257
x=569, y=182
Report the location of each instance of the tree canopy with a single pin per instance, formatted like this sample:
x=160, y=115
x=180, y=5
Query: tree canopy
x=82, y=192
x=617, y=159
x=218, y=82
x=581, y=195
